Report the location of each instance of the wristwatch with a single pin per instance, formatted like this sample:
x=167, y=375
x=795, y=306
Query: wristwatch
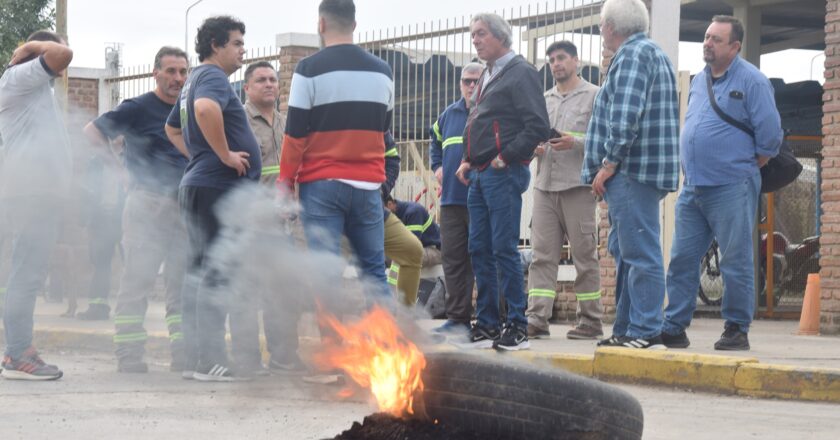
x=608, y=165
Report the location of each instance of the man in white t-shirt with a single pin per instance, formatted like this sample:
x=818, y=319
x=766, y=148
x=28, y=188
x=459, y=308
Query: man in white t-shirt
x=34, y=178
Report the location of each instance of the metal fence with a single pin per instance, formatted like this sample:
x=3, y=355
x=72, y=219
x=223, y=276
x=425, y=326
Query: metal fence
x=426, y=59
x=136, y=80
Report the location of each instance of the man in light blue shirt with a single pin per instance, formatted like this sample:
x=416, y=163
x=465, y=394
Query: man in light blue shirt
x=721, y=188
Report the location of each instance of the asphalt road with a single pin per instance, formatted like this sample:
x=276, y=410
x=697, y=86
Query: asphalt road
x=93, y=401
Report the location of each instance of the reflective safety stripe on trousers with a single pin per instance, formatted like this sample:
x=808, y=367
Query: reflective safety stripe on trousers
x=546, y=293
x=590, y=296
x=271, y=170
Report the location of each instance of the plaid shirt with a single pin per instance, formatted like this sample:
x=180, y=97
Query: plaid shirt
x=635, y=120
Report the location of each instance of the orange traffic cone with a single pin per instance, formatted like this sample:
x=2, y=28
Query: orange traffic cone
x=809, y=321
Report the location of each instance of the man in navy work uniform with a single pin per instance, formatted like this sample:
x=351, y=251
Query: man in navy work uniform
x=719, y=197
x=446, y=151
x=153, y=232
x=419, y=222
x=211, y=121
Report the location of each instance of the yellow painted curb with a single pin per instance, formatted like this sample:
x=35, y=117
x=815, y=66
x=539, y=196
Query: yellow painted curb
x=788, y=382
x=696, y=371
x=573, y=363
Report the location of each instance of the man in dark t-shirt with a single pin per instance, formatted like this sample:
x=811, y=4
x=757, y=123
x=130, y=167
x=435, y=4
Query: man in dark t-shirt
x=153, y=231
x=210, y=121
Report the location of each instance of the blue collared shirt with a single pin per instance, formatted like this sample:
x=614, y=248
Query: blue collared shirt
x=635, y=120
x=712, y=151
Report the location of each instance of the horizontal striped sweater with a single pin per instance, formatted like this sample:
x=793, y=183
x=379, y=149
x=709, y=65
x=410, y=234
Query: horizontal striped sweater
x=341, y=104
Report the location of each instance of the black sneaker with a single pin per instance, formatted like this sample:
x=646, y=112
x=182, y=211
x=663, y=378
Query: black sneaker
x=513, y=338
x=654, y=343
x=215, y=373
x=612, y=341
x=675, y=341
x=480, y=337
x=29, y=366
x=733, y=339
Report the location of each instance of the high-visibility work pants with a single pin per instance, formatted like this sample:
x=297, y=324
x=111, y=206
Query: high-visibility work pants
x=153, y=234
x=558, y=215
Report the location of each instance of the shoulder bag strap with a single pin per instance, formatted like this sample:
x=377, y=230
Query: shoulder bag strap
x=737, y=124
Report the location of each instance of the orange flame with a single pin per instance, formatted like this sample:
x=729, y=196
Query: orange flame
x=376, y=355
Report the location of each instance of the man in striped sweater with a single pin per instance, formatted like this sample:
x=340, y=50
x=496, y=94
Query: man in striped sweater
x=340, y=106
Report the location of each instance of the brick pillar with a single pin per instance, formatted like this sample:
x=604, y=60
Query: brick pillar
x=293, y=48
x=830, y=219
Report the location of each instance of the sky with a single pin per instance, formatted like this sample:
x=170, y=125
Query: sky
x=142, y=27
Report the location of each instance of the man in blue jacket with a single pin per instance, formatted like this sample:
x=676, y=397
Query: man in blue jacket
x=447, y=149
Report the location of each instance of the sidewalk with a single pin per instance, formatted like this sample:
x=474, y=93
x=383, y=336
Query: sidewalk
x=780, y=364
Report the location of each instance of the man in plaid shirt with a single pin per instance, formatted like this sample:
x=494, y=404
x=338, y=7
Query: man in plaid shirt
x=631, y=160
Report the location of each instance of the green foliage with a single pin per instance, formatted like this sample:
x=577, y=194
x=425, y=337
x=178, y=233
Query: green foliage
x=18, y=19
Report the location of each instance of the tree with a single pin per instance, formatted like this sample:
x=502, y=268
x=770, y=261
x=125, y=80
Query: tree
x=18, y=19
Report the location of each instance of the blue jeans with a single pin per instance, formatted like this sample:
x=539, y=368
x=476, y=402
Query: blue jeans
x=332, y=208
x=725, y=212
x=494, y=201
x=34, y=225
x=634, y=213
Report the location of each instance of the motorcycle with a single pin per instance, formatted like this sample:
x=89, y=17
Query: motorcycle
x=791, y=265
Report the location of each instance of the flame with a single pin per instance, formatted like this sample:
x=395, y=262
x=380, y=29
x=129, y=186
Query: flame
x=376, y=355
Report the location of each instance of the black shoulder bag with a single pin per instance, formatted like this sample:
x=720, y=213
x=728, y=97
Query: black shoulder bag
x=781, y=170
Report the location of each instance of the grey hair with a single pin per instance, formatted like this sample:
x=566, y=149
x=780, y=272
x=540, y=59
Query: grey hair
x=472, y=68
x=627, y=17
x=498, y=26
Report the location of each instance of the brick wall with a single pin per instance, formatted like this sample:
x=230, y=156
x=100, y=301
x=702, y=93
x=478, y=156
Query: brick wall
x=830, y=238
x=83, y=94
x=289, y=58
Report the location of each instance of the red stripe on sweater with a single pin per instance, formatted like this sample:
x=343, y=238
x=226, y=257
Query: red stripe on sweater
x=340, y=154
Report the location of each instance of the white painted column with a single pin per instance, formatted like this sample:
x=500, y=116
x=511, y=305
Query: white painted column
x=750, y=16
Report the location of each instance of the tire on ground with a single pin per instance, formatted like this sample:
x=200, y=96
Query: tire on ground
x=508, y=399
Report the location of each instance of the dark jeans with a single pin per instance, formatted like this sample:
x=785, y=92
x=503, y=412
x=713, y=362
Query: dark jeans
x=205, y=299
x=457, y=269
x=495, y=205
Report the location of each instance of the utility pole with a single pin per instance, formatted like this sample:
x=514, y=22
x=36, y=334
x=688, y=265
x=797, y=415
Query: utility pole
x=61, y=29
x=187, y=28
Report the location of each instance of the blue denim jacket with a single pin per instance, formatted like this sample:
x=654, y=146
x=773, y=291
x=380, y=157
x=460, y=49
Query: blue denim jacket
x=712, y=151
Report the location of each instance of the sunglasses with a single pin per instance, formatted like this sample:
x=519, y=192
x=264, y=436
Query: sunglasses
x=469, y=81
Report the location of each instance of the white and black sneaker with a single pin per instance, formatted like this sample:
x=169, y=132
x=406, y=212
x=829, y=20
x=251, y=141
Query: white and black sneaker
x=479, y=337
x=215, y=373
x=654, y=343
x=612, y=341
x=513, y=338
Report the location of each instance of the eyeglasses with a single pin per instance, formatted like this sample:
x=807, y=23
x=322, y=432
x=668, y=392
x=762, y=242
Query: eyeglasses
x=469, y=81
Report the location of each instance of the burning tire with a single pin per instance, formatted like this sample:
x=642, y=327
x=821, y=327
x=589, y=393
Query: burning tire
x=519, y=401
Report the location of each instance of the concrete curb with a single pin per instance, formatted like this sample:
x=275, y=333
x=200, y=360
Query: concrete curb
x=744, y=376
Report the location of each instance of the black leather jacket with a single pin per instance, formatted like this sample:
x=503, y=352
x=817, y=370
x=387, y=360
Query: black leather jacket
x=508, y=117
